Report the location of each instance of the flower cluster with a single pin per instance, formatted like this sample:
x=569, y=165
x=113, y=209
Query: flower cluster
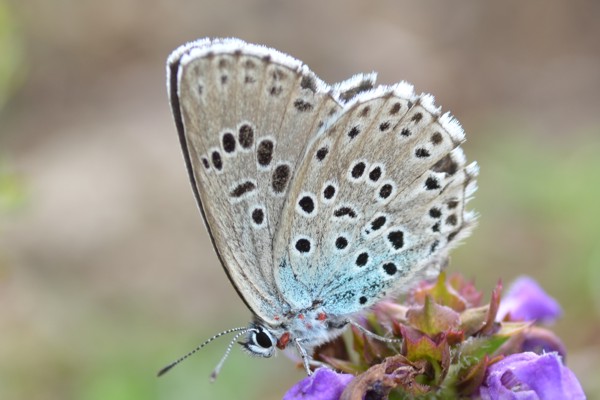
x=451, y=347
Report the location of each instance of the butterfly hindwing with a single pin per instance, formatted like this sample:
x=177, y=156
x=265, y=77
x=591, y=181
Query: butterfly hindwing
x=358, y=223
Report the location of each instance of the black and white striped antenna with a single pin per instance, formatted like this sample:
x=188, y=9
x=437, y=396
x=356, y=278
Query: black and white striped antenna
x=214, y=374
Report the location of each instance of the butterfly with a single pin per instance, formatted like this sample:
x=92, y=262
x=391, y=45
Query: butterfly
x=320, y=200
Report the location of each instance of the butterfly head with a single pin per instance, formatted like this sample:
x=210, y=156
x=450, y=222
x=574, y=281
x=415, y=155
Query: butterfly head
x=306, y=329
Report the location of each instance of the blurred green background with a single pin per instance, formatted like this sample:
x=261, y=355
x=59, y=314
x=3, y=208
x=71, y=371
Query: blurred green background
x=106, y=272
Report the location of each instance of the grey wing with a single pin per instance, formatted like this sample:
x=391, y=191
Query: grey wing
x=380, y=196
x=245, y=114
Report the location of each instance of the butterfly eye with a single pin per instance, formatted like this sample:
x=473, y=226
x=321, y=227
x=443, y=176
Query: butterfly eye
x=263, y=340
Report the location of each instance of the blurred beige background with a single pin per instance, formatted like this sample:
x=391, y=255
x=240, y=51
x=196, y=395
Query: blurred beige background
x=106, y=272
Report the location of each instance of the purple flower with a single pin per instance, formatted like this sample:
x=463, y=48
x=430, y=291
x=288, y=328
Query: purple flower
x=527, y=301
x=540, y=340
x=324, y=384
x=529, y=376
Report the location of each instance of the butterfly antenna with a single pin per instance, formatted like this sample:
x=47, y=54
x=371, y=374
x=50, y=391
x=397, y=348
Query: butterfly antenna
x=174, y=363
x=217, y=370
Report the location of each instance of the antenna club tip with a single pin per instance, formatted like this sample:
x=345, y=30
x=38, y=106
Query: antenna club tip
x=164, y=370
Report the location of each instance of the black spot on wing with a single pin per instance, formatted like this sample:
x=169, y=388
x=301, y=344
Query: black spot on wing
x=258, y=216
x=352, y=133
x=435, y=212
x=264, y=152
x=375, y=174
x=307, y=204
x=396, y=239
x=417, y=118
x=422, y=153
x=432, y=183
x=362, y=259
x=303, y=245
x=384, y=126
x=344, y=211
x=322, y=153
x=216, y=160
x=390, y=268
x=329, y=192
x=242, y=189
x=361, y=87
x=358, y=169
x=205, y=162
x=378, y=222
x=386, y=191
x=446, y=164
x=246, y=136
x=341, y=242
x=228, y=142
x=280, y=178
x=436, y=138
x=452, y=220
x=452, y=204
x=302, y=105
x=308, y=82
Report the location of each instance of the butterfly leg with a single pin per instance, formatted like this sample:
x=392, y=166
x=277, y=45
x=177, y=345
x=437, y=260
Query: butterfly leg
x=372, y=335
x=306, y=360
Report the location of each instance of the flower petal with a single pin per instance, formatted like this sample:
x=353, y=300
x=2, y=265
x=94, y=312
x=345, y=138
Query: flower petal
x=323, y=384
x=527, y=301
x=531, y=376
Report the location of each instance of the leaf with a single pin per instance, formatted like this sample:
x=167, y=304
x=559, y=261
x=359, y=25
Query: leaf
x=433, y=318
x=419, y=347
x=442, y=293
x=472, y=320
x=490, y=323
x=471, y=379
x=477, y=348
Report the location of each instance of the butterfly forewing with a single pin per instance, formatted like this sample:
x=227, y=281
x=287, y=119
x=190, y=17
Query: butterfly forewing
x=245, y=114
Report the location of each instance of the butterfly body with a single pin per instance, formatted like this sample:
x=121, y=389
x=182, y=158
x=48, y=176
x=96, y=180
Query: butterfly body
x=320, y=200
